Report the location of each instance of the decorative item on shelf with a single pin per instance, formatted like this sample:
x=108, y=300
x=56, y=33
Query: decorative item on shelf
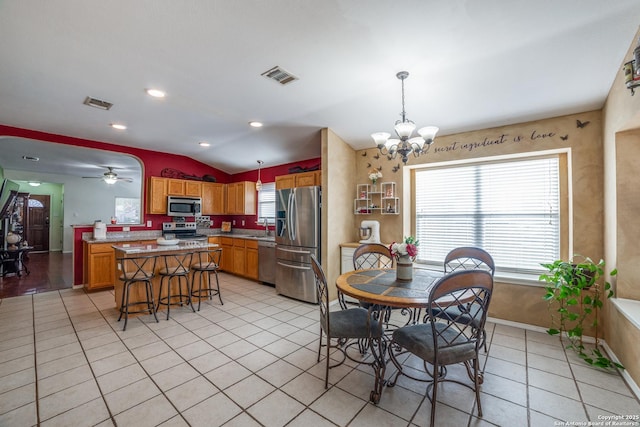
x=374, y=175
x=404, y=129
x=174, y=173
x=405, y=254
x=631, y=71
x=258, y=182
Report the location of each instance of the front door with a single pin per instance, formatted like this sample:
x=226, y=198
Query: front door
x=38, y=227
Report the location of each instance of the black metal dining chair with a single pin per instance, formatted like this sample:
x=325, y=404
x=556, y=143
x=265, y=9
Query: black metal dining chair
x=206, y=263
x=443, y=343
x=466, y=258
x=341, y=325
x=136, y=271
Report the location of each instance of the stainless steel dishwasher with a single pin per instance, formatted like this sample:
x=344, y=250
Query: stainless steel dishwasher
x=267, y=261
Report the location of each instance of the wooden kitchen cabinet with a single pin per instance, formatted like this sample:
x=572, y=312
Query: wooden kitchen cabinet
x=241, y=198
x=175, y=187
x=157, y=195
x=99, y=262
x=239, y=259
x=303, y=179
x=251, y=259
x=193, y=188
x=213, y=198
x=226, y=261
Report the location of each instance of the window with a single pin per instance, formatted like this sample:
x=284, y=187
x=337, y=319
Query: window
x=267, y=203
x=509, y=208
x=128, y=210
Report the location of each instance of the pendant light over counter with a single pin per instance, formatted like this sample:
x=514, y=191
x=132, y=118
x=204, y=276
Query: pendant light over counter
x=258, y=182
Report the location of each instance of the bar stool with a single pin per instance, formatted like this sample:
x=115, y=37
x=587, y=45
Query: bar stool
x=175, y=266
x=134, y=271
x=207, y=262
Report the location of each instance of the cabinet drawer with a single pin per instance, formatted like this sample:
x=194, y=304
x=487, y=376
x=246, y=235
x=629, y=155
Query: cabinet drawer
x=239, y=243
x=96, y=248
x=226, y=241
x=251, y=244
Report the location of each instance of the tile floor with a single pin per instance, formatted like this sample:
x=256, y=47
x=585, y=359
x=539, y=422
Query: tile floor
x=64, y=360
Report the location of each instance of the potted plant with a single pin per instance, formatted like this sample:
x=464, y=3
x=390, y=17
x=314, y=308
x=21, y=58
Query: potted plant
x=574, y=292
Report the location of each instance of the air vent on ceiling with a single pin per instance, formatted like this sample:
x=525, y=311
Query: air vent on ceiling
x=97, y=103
x=279, y=75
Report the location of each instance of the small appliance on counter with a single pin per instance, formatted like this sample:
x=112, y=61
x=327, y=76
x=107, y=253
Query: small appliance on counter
x=370, y=231
x=99, y=230
x=181, y=231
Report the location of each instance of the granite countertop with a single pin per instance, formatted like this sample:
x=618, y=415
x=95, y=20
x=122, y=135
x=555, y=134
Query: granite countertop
x=133, y=236
x=152, y=248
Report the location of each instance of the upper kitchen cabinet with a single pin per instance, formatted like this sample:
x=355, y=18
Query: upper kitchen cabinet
x=184, y=187
x=157, y=195
x=212, y=198
x=303, y=179
x=241, y=198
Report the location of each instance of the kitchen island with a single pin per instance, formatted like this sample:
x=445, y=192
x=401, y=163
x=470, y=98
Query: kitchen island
x=126, y=250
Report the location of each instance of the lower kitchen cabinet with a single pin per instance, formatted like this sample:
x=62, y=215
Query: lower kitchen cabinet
x=226, y=261
x=251, y=258
x=239, y=262
x=99, y=259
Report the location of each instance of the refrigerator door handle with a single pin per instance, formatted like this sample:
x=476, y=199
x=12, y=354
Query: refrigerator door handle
x=294, y=214
x=294, y=251
x=294, y=266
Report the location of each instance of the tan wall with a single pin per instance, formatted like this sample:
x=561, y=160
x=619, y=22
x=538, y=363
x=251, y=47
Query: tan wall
x=338, y=166
x=512, y=302
x=621, y=137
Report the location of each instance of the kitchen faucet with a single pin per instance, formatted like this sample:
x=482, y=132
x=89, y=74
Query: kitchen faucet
x=266, y=226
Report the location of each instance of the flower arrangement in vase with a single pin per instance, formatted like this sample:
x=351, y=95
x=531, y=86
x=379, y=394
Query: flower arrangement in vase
x=404, y=253
x=374, y=176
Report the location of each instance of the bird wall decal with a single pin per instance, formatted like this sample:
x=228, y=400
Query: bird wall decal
x=564, y=138
x=364, y=154
x=581, y=125
x=396, y=168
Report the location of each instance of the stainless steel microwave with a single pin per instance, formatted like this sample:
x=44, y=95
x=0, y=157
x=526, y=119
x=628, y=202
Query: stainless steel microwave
x=183, y=206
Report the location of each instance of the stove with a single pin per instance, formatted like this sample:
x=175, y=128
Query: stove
x=182, y=231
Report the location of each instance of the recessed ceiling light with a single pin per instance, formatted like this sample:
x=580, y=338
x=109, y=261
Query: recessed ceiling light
x=255, y=124
x=156, y=93
x=118, y=126
x=204, y=144
x=33, y=159
x=34, y=183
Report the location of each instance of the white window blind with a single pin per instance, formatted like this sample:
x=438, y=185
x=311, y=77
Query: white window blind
x=267, y=202
x=510, y=209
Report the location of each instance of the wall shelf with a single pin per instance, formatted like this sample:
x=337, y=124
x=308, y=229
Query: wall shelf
x=376, y=199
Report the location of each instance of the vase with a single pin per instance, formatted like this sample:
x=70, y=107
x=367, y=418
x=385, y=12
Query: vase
x=404, y=268
x=374, y=187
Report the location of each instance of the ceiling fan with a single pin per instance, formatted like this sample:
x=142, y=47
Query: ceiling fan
x=110, y=177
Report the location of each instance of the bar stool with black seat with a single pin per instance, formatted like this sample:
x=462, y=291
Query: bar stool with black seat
x=176, y=265
x=206, y=263
x=135, y=271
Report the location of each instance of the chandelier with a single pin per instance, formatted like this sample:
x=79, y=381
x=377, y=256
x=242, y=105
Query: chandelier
x=404, y=129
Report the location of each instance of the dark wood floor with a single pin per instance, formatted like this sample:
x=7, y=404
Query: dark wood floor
x=48, y=271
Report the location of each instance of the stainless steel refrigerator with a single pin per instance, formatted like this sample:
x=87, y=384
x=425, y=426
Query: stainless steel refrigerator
x=297, y=238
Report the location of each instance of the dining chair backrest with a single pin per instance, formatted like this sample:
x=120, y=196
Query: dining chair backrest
x=469, y=258
x=207, y=260
x=140, y=268
x=177, y=264
x=322, y=291
x=469, y=292
x=372, y=255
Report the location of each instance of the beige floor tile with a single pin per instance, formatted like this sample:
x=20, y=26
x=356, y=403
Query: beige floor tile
x=257, y=360
x=16, y=342
x=302, y=358
x=244, y=420
x=177, y=421
x=106, y=350
x=263, y=338
x=174, y=376
x=110, y=364
x=374, y=415
x=553, y=351
x=506, y=369
x=238, y=349
x=549, y=364
x=120, y=378
x=17, y=379
x=16, y=352
x=163, y=361
x=99, y=341
x=60, y=365
x=553, y=383
x=305, y=388
x=148, y=413
x=191, y=393
x=508, y=354
x=181, y=340
x=223, y=339
x=227, y=375
x=610, y=380
x=446, y=416
x=24, y=416
x=131, y=395
x=506, y=389
x=195, y=349
x=67, y=399
x=608, y=400
x=63, y=380
x=338, y=406
x=151, y=350
x=248, y=391
x=556, y=406
x=517, y=343
x=212, y=412
x=88, y=414
x=15, y=365
x=288, y=409
x=210, y=361
x=17, y=397
x=281, y=348
x=279, y=373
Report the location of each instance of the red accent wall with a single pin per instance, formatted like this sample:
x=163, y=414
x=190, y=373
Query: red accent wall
x=154, y=162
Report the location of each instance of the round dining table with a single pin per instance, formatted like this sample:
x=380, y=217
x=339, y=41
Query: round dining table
x=381, y=289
